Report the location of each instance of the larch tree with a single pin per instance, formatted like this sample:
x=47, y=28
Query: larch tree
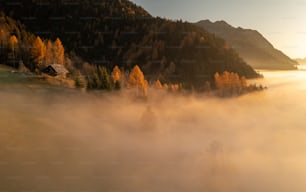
x=158, y=84
x=49, y=59
x=244, y=83
x=59, y=52
x=116, y=74
x=218, y=81
x=13, y=42
x=39, y=52
x=116, y=77
x=137, y=80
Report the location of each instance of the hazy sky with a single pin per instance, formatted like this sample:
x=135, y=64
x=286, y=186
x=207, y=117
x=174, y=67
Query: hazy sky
x=282, y=22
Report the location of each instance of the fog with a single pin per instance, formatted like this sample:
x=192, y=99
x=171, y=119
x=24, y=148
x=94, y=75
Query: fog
x=73, y=141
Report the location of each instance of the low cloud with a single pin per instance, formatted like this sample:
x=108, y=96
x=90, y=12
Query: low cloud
x=54, y=141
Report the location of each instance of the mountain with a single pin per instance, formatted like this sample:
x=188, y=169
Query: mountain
x=119, y=32
x=255, y=49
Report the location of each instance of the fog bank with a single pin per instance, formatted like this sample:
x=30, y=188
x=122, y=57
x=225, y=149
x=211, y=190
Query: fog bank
x=53, y=141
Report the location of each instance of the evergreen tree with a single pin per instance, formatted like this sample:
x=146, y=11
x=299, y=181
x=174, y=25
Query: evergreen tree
x=104, y=78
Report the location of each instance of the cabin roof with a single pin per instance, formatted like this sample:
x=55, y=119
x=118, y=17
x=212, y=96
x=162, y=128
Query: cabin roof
x=59, y=69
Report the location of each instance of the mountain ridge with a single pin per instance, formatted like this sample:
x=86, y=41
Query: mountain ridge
x=253, y=47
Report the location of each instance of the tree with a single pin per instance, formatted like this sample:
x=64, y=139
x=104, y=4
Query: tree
x=80, y=81
x=244, y=82
x=104, y=78
x=38, y=52
x=218, y=81
x=59, y=52
x=116, y=74
x=137, y=80
x=116, y=77
x=13, y=41
x=49, y=53
x=158, y=85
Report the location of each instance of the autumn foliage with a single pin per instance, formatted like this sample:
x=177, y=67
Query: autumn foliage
x=46, y=53
x=230, y=83
x=38, y=52
x=229, y=80
x=136, y=80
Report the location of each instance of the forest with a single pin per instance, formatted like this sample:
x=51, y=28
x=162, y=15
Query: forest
x=91, y=37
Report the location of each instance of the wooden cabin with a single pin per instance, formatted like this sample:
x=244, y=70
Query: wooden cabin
x=56, y=70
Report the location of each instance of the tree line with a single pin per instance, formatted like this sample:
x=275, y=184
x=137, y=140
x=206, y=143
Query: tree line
x=230, y=83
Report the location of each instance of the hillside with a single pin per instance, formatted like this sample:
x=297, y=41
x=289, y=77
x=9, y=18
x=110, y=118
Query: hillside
x=251, y=46
x=120, y=33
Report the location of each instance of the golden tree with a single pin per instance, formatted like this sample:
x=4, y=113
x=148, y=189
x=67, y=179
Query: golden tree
x=49, y=59
x=137, y=80
x=38, y=51
x=158, y=85
x=244, y=82
x=218, y=81
x=13, y=42
x=59, y=52
x=116, y=74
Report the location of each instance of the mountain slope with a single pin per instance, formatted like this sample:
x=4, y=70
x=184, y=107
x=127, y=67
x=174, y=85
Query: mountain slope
x=251, y=45
x=120, y=33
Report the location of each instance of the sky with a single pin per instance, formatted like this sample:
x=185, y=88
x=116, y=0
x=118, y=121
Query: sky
x=282, y=22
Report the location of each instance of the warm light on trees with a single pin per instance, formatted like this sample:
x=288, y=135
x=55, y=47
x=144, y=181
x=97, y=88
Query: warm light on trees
x=116, y=77
x=175, y=87
x=158, y=85
x=49, y=53
x=218, y=81
x=38, y=51
x=116, y=74
x=13, y=41
x=244, y=82
x=137, y=80
x=230, y=82
x=59, y=52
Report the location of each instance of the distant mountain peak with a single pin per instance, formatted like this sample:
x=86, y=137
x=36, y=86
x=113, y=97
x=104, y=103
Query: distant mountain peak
x=253, y=47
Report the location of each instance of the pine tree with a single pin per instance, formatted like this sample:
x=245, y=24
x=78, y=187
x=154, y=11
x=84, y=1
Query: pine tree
x=104, y=78
x=80, y=81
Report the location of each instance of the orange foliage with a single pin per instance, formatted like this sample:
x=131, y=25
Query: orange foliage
x=49, y=53
x=229, y=81
x=13, y=41
x=116, y=74
x=39, y=51
x=137, y=80
x=59, y=52
x=158, y=85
